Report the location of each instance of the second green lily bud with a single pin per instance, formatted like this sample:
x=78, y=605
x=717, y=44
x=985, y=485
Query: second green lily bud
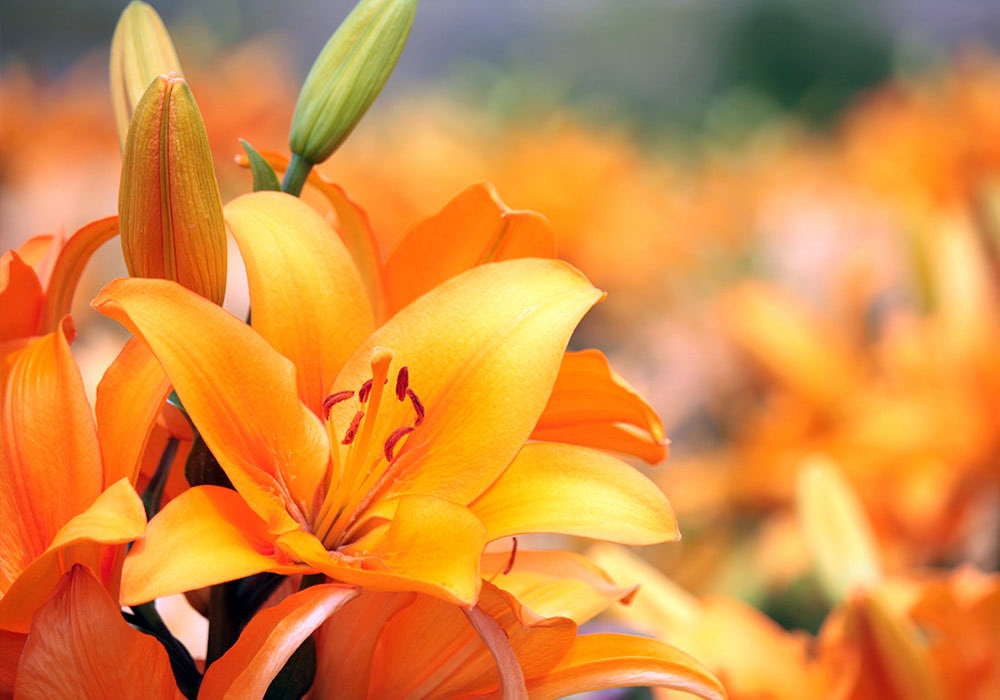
x=169, y=206
x=348, y=75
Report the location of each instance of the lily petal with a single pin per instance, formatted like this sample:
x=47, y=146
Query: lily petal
x=129, y=397
x=73, y=258
x=21, y=297
x=470, y=344
x=430, y=546
x=345, y=648
x=803, y=351
x=114, y=518
x=206, y=535
x=240, y=393
x=12, y=644
x=80, y=647
x=893, y=659
x=353, y=225
x=430, y=649
x=37, y=281
x=572, y=490
x=599, y=661
x=836, y=530
x=47, y=426
x=271, y=637
x=473, y=228
x=291, y=255
x=554, y=583
x=512, y=685
x=592, y=406
x=39, y=252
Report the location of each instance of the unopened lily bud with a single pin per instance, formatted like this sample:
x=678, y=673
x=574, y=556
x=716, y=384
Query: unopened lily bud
x=141, y=49
x=169, y=206
x=348, y=75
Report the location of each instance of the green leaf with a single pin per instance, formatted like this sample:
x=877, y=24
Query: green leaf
x=264, y=177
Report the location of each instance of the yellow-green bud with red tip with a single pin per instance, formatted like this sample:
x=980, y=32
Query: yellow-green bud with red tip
x=169, y=206
x=348, y=75
x=141, y=50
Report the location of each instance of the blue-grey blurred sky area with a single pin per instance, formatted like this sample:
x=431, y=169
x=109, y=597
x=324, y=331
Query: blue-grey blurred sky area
x=656, y=61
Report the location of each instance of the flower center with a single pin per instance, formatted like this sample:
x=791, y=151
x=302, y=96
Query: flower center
x=359, y=471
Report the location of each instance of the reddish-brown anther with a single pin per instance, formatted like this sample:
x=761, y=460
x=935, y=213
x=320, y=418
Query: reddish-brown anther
x=333, y=399
x=395, y=437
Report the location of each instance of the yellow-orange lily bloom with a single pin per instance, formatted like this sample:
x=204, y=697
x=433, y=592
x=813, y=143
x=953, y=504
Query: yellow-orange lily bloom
x=388, y=469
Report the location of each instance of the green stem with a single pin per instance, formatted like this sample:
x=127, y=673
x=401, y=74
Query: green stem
x=146, y=618
x=296, y=175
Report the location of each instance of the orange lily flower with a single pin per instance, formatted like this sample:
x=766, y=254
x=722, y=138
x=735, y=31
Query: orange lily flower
x=519, y=640
x=52, y=517
x=388, y=469
x=59, y=661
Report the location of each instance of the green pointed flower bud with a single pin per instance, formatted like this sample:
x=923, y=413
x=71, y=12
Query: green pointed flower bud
x=348, y=75
x=169, y=206
x=141, y=49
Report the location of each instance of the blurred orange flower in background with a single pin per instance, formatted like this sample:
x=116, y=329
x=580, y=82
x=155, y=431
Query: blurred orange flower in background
x=926, y=634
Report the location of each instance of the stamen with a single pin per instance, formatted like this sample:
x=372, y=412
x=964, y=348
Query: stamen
x=333, y=399
x=365, y=391
x=417, y=406
x=394, y=438
x=513, y=554
x=402, y=382
x=352, y=429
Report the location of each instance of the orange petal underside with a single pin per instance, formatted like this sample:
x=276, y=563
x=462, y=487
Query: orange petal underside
x=51, y=469
x=21, y=298
x=273, y=635
x=599, y=661
x=68, y=268
x=90, y=538
x=129, y=397
x=592, y=406
x=473, y=228
x=80, y=647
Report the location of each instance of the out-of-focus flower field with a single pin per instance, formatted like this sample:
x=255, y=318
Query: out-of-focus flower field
x=814, y=313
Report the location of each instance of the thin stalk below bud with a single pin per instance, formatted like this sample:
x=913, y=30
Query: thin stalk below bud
x=296, y=175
